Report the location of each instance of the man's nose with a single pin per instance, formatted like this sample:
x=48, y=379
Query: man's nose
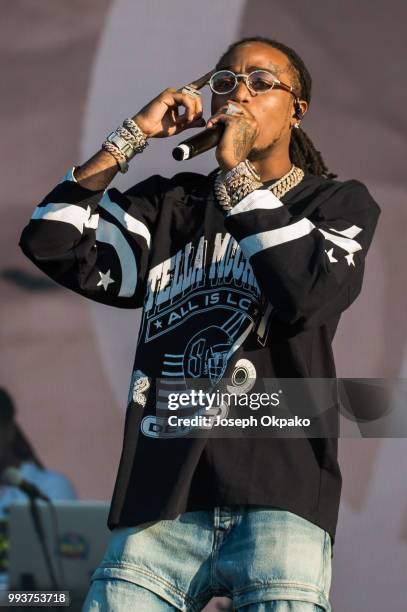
x=241, y=92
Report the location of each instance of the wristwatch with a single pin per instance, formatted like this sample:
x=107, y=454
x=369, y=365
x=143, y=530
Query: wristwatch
x=124, y=146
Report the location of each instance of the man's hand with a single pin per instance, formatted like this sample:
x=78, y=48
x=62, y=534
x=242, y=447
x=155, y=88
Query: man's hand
x=239, y=135
x=160, y=118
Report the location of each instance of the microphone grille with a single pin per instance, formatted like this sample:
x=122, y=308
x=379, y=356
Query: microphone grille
x=11, y=476
x=181, y=152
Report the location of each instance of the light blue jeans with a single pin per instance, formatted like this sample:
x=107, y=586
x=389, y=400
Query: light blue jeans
x=264, y=559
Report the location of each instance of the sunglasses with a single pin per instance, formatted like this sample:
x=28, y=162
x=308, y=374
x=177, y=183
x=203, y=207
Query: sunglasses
x=259, y=81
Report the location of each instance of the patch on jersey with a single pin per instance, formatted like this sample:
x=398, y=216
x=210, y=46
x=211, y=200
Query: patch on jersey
x=140, y=383
x=243, y=377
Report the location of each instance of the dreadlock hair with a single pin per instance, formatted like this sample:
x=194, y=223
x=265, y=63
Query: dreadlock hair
x=301, y=150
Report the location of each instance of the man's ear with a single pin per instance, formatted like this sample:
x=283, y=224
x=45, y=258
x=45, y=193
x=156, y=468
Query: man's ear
x=300, y=108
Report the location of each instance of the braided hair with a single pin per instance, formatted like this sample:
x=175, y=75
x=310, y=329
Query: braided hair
x=302, y=150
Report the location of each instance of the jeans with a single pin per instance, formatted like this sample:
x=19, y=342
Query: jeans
x=264, y=559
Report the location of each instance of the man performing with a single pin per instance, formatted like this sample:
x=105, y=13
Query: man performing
x=243, y=274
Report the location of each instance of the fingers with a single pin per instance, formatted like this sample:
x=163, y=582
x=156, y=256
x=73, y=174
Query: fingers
x=221, y=118
x=193, y=108
x=190, y=100
x=226, y=112
x=192, y=104
x=203, y=80
x=199, y=122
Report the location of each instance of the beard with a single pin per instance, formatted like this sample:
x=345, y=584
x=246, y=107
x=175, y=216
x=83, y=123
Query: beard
x=260, y=153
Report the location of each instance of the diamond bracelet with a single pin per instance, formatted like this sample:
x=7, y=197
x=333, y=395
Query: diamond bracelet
x=125, y=142
x=240, y=181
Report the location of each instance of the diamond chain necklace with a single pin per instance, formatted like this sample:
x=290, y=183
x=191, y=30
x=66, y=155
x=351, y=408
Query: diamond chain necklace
x=280, y=188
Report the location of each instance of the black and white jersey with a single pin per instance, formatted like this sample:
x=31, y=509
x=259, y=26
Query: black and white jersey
x=258, y=291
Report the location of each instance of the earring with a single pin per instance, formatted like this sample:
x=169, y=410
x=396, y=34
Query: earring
x=297, y=125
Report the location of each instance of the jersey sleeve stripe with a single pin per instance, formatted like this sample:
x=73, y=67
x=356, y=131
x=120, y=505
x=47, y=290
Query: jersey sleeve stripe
x=347, y=244
x=259, y=242
x=349, y=232
x=259, y=198
x=68, y=213
x=132, y=224
x=111, y=234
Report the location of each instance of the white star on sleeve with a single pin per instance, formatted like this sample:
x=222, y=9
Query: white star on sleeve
x=330, y=254
x=349, y=259
x=105, y=279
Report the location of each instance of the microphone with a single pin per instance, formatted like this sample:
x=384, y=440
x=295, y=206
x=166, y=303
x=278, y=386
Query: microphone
x=198, y=143
x=11, y=476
